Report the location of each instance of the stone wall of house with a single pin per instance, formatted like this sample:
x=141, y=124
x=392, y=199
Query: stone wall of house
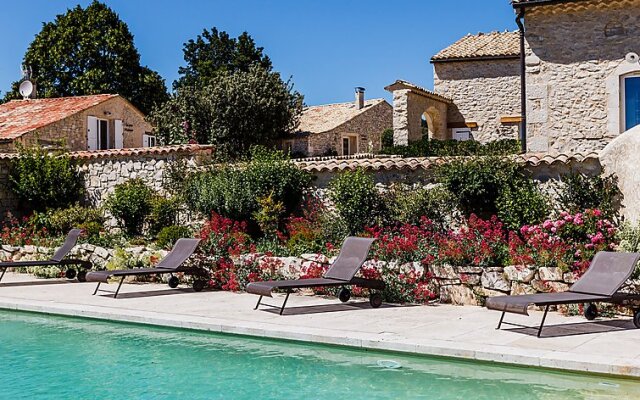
x=72, y=131
x=575, y=61
x=482, y=92
x=368, y=126
x=103, y=170
x=408, y=109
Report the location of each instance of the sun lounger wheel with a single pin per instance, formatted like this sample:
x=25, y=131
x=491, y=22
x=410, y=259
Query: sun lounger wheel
x=70, y=273
x=82, y=276
x=198, y=285
x=591, y=312
x=173, y=282
x=344, y=295
x=375, y=299
x=636, y=318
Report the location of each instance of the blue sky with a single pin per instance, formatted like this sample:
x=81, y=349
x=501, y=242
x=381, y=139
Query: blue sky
x=327, y=46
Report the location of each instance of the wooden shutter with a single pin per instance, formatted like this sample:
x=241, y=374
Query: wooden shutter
x=92, y=133
x=119, y=134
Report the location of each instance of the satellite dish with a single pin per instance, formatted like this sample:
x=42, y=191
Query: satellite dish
x=632, y=58
x=26, y=89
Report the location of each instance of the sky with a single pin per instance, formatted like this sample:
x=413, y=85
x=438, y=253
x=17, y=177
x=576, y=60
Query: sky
x=327, y=47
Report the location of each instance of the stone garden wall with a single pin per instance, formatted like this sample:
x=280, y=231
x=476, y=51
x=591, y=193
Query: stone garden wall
x=103, y=170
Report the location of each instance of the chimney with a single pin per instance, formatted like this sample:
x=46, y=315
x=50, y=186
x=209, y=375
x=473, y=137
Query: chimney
x=359, y=98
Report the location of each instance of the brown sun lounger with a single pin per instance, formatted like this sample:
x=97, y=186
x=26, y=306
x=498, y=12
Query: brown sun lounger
x=353, y=254
x=170, y=264
x=58, y=260
x=601, y=283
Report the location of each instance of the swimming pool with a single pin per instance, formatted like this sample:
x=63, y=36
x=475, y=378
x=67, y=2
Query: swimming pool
x=48, y=357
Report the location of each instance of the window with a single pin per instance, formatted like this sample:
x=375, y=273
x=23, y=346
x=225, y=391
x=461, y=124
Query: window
x=349, y=145
x=287, y=146
x=631, y=98
x=103, y=134
x=148, y=140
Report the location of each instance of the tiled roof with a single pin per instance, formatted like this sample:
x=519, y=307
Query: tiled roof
x=494, y=45
x=401, y=84
x=520, y=3
x=323, y=118
x=129, y=152
x=18, y=117
x=380, y=162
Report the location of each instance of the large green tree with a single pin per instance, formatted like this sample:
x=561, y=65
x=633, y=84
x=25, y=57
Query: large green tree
x=90, y=51
x=233, y=111
x=215, y=51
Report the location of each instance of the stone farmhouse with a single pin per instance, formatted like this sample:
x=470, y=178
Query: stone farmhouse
x=96, y=122
x=340, y=129
x=574, y=65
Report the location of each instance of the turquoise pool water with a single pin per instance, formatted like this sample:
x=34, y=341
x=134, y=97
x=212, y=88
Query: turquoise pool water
x=46, y=357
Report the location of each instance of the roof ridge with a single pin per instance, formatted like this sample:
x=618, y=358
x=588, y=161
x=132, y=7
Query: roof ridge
x=68, y=97
x=345, y=102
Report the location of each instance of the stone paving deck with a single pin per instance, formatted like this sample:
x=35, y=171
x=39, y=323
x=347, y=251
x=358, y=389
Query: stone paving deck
x=608, y=346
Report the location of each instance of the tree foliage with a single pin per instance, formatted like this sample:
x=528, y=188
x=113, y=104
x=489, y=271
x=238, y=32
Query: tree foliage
x=234, y=111
x=90, y=51
x=215, y=51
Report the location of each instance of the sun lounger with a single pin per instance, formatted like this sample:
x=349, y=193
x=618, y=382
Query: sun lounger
x=601, y=283
x=58, y=260
x=170, y=264
x=342, y=273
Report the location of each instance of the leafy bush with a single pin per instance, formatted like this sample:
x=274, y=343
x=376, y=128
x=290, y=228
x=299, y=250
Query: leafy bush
x=356, y=199
x=269, y=215
x=163, y=213
x=168, y=235
x=581, y=192
x=61, y=221
x=130, y=204
x=387, y=138
x=234, y=191
x=43, y=179
x=487, y=186
x=443, y=148
x=410, y=205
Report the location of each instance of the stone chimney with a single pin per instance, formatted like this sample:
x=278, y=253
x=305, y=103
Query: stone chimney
x=359, y=98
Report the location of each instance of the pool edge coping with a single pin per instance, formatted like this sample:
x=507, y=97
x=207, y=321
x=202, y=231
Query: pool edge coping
x=551, y=360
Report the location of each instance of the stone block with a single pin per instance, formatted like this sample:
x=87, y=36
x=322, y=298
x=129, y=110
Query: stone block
x=318, y=258
x=519, y=273
x=458, y=295
x=550, y=274
x=518, y=288
x=495, y=280
x=444, y=272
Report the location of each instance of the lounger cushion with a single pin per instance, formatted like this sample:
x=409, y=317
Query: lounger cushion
x=353, y=254
x=607, y=273
x=265, y=288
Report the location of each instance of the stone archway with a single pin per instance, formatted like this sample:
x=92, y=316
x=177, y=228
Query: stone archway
x=414, y=107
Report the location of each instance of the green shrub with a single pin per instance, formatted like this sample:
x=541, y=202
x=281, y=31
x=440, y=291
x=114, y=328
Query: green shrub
x=410, y=205
x=269, y=215
x=521, y=205
x=442, y=148
x=581, y=192
x=356, y=199
x=233, y=191
x=42, y=179
x=387, y=138
x=170, y=234
x=164, y=212
x=130, y=204
x=61, y=221
x=487, y=186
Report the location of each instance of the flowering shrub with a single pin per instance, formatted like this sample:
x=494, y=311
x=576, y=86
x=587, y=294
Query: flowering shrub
x=569, y=242
x=406, y=284
x=405, y=243
x=223, y=237
x=21, y=232
x=481, y=243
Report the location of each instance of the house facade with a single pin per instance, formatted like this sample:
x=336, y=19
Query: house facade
x=95, y=122
x=581, y=74
x=340, y=129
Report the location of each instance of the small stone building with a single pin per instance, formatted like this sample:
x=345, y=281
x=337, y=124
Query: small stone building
x=581, y=71
x=95, y=122
x=340, y=129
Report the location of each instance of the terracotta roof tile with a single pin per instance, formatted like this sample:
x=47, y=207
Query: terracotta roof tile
x=380, y=162
x=18, y=117
x=482, y=46
x=402, y=84
x=323, y=118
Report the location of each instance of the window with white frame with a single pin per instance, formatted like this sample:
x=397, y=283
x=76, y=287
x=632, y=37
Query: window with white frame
x=148, y=140
x=349, y=145
x=631, y=97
